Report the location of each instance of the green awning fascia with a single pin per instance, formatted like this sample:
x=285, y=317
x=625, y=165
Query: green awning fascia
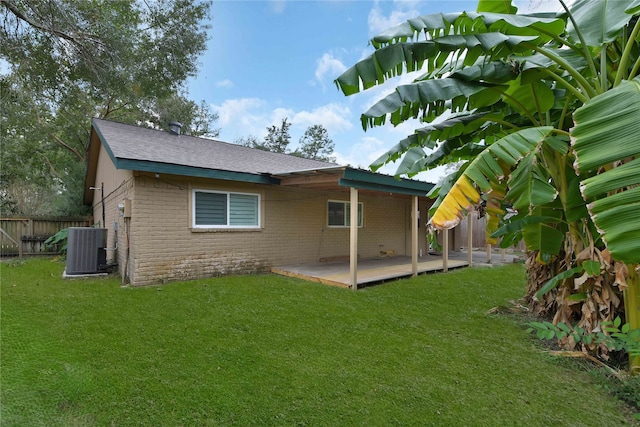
x=372, y=181
x=361, y=185
x=167, y=168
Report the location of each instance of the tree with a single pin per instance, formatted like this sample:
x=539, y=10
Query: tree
x=196, y=119
x=74, y=60
x=31, y=176
x=315, y=144
x=507, y=90
x=250, y=141
x=278, y=138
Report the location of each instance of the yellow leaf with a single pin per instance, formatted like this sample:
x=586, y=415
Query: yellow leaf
x=445, y=217
x=469, y=190
x=460, y=198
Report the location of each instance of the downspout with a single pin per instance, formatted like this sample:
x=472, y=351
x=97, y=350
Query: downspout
x=125, y=273
x=104, y=222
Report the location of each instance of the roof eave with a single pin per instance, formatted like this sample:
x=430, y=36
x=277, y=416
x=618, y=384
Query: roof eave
x=191, y=171
x=326, y=169
x=365, y=180
x=92, y=166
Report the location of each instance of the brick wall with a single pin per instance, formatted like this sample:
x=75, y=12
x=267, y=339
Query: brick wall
x=118, y=185
x=165, y=248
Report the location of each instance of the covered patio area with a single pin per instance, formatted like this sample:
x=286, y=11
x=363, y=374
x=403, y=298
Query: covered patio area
x=355, y=271
x=352, y=270
x=372, y=270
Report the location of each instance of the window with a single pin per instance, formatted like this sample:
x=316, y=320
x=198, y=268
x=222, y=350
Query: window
x=214, y=209
x=339, y=214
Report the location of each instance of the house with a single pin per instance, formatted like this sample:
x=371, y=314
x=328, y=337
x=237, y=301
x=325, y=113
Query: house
x=179, y=207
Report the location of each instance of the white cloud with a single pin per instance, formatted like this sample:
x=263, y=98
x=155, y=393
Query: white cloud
x=278, y=6
x=362, y=153
x=403, y=10
x=251, y=116
x=328, y=67
x=538, y=6
x=241, y=117
x=406, y=128
x=226, y=83
x=432, y=175
x=279, y=114
x=334, y=117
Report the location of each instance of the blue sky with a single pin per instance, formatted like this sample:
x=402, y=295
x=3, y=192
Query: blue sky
x=271, y=59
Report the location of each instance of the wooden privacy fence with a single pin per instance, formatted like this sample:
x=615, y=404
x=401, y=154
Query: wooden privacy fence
x=479, y=235
x=26, y=235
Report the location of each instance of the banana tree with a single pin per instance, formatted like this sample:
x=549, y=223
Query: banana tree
x=499, y=91
x=606, y=146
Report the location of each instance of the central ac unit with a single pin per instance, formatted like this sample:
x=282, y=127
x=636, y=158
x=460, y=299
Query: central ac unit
x=86, y=250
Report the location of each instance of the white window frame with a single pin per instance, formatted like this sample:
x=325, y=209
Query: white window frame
x=227, y=225
x=346, y=203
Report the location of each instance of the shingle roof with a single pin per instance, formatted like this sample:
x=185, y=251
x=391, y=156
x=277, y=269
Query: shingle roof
x=130, y=142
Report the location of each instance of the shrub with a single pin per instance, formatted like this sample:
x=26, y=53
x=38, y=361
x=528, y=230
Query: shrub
x=57, y=242
x=615, y=337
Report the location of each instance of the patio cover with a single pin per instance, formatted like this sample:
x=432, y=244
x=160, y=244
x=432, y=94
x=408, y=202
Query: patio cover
x=355, y=181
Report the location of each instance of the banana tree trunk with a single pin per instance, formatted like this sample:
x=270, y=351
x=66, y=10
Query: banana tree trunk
x=632, y=310
x=537, y=275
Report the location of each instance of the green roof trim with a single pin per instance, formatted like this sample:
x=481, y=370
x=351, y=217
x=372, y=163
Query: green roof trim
x=104, y=143
x=372, y=181
x=166, y=168
x=378, y=187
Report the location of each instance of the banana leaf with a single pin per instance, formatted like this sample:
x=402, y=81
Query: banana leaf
x=529, y=185
x=605, y=140
x=599, y=21
x=429, y=97
x=485, y=170
x=440, y=23
x=429, y=135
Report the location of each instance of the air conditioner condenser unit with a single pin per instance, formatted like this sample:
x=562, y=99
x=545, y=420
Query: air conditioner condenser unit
x=86, y=250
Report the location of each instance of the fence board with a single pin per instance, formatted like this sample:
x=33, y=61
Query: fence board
x=25, y=235
x=479, y=234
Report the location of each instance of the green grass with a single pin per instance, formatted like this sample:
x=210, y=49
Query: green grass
x=269, y=350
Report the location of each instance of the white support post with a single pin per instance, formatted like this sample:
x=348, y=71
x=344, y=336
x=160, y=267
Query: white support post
x=353, y=238
x=445, y=250
x=489, y=253
x=414, y=236
x=470, y=239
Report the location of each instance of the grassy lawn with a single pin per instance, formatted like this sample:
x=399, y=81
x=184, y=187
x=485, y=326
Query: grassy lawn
x=269, y=350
